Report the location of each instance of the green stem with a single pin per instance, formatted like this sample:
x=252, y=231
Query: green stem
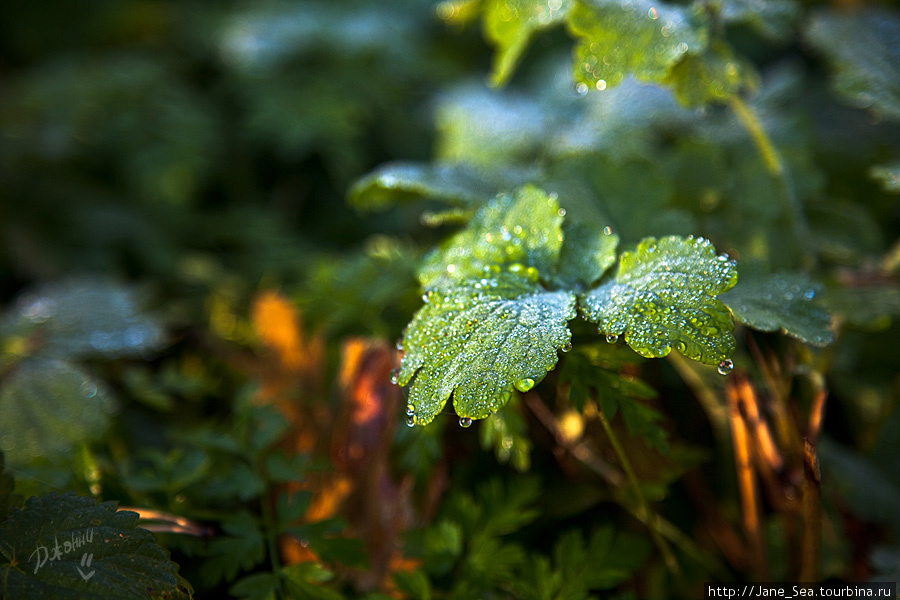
x=777, y=168
x=644, y=513
x=269, y=524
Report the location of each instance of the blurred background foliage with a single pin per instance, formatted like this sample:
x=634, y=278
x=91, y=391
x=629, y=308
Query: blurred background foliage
x=198, y=324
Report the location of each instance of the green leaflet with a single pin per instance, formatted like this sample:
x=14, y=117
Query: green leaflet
x=863, y=50
x=509, y=24
x=783, y=301
x=521, y=233
x=478, y=343
x=641, y=37
x=125, y=560
x=488, y=325
x=664, y=295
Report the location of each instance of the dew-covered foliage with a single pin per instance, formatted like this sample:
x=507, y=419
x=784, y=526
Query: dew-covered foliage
x=495, y=299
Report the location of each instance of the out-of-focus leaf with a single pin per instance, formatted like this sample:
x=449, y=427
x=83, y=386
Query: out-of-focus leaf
x=771, y=18
x=781, y=302
x=304, y=581
x=60, y=545
x=82, y=317
x=868, y=305
x=888, y=176
x=457, y=184
x=509, y=24
x=863, y=47
x=489, y=128
x=714, y=76
x=507, y=433
x=240, y=550
x=259, y=586
x=609, y=558
x=643, y=38
x=50, y=406
x=587, y=252
x=870, y=493
x=664, y=294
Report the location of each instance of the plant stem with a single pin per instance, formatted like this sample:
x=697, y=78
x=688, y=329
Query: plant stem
x=812, y=515
x=643, y=508
x=777, y=168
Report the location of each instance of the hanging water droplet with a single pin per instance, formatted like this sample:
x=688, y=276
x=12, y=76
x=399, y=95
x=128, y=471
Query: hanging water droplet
x=395, y=376
x=410, y=420
x=567, y=347
x=523, y=385
x=726, y=366
x=410, y=410
x=611, y=338
x=465, y=422
x=399, y=345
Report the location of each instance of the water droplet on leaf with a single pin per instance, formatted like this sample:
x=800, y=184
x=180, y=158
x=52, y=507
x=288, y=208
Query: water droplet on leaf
x=465, y=422
x=410, y=420
x=523, y=385
x=726, y=366
x=612, y=339
x=395, y=376
x=410, y=410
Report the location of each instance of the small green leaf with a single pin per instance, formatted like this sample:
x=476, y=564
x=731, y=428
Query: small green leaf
x=241, y=550
x=477, y=341
x=863, y=51
x=640, y=37
x=587, y=252
x=81, y=317
x=510, y=24
x=64, y=546
x=520, y=232
x=50, y=406
x=664, y=295
x=783, y=301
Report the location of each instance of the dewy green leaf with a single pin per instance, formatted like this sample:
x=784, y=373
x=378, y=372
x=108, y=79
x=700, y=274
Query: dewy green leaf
x=488, y=325
x=521, y=231
x=863, y=47
x=64, y=546
x=49, y=406
x=477, y=343
x=664, y=295
x=641, y=37
x=783, y=301
x=509, y=24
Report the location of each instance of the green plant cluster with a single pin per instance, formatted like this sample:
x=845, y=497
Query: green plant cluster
x=244, y=244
